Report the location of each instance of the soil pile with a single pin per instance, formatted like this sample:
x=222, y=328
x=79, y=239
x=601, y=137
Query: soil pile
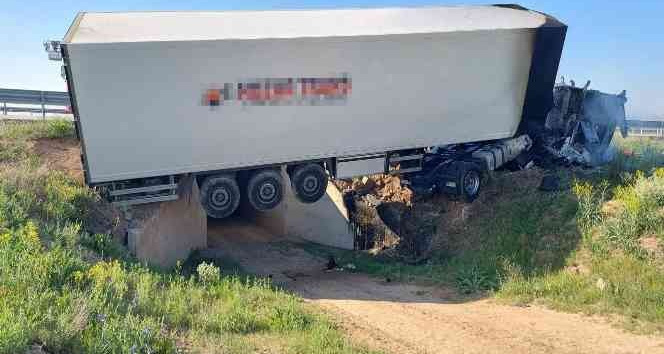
x=390, y=220
x=377, y=188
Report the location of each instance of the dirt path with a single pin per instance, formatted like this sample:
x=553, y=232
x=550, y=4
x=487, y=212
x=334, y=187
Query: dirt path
x=403, y=318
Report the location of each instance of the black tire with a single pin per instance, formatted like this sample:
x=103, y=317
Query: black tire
x=265, y=189
x=309, y=182
x=220, y=195
x=469, y=181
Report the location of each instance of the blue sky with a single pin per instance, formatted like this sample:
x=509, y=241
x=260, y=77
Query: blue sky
x=616, y=44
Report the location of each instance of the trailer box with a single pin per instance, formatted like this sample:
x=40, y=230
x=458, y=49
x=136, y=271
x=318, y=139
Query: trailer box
x=166, y=93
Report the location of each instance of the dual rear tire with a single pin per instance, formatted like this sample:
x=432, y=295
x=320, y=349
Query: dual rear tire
x=309, y=182
x=265, y=189
x=221, y=194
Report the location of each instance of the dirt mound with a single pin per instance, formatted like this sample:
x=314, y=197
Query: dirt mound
x=391, y=220
x=383, y=188
x=452, y=236
x=369, y=196
x=64, y=155
x=60, y=154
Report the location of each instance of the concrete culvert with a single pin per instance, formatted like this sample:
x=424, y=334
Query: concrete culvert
x=309, y=182
x=265, y=189
x=220, y=195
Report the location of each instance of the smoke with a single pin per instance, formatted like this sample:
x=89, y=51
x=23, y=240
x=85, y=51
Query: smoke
x=605, y=109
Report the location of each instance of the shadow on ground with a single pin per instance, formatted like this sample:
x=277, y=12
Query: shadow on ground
x=512, y=225
x=287, y=262
x=397, y=317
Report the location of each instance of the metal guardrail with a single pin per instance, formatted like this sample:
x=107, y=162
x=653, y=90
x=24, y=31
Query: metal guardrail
x=34, y=97
x=646, y=133
x=637, y=128
x=646, y=128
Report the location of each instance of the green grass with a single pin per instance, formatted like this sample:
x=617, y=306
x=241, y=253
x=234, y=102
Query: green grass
x=529, y=230
x=13, y=150
x=622, y=284
x=621, y=276
x=51, y=128
x=577, y=250
x=635, y=154
x=15, y=136
x=75, y=292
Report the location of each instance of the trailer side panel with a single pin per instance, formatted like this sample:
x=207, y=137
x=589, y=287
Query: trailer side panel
x=144, y=111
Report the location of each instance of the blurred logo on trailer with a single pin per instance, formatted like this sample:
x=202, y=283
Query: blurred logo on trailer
x=309, y=91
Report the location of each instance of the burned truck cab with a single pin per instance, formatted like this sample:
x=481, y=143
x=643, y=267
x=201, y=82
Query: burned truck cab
x=580, y=126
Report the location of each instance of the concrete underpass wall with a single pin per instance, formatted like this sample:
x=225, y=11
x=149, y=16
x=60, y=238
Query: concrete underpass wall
x=324, y=222
x=164, y=233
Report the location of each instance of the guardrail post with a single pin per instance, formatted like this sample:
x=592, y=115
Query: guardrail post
x=43, y=106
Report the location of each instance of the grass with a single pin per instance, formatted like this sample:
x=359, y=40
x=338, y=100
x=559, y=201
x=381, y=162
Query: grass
x=15, y=136
x=581, y=250
x=635, y=155
x=619, y=285
x=51, y=128
x=621, y=276
x=526, y=230
x=70, y=291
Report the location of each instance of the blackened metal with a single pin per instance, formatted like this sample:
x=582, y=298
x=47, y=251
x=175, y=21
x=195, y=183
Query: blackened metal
x=549, y=41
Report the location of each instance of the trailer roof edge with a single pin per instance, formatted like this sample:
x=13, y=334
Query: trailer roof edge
x=161, y=26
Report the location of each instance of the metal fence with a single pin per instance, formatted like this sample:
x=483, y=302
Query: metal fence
x=58, y=103
x=48, y=101
x=646, y=128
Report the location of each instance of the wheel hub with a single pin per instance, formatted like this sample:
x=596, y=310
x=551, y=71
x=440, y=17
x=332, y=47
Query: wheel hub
x=471, y=183
x=220, y=198
x=310, y=184
x=267, y=192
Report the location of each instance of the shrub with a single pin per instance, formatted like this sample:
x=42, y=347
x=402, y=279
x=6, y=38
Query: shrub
x=590, y=199
x=208, y=273
x=109, y=284
x=239, y=319
x=473, y=279
x=641, y=202
x=104, y=245
x=14, y=328
x=59, y=128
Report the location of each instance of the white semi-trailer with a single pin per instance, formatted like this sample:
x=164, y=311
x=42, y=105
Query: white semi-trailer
x=234, y=96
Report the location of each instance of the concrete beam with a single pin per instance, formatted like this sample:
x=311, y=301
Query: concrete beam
x=164, y=233
x=324, y=222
